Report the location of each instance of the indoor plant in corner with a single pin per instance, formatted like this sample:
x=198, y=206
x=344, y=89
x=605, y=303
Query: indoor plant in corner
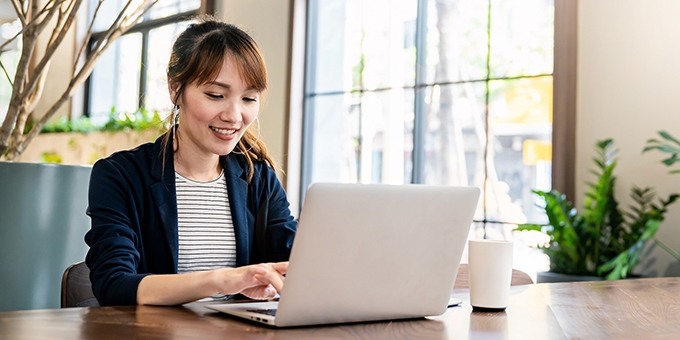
x=602, y=240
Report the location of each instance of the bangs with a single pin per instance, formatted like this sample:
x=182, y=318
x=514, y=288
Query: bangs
x=215, y=49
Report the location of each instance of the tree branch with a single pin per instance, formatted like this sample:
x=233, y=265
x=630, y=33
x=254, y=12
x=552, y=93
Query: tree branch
x=50, y=13
x=27, y=90
x=88, y=35
x=51, y=49
x=33, y=89
x=20, y=144
x=29, y=42
x=6, y=74
x=25, y=27
x=18, y=99
x=115, y=25
x=20, y=12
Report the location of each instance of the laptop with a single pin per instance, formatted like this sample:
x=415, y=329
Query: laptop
x=370, y=252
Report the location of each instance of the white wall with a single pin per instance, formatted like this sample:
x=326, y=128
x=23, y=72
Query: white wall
x=629, y=88
x=268, y=22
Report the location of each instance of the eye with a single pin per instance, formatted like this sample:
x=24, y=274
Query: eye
x=249, y=99
x=214, y=95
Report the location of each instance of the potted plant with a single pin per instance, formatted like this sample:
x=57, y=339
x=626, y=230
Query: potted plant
x=80, y=141
x=602, y=240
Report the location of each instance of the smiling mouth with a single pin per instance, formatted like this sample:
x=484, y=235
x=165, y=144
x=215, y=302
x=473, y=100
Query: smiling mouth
x=223, y=131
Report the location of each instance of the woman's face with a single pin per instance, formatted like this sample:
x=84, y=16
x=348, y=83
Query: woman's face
x=215, y=115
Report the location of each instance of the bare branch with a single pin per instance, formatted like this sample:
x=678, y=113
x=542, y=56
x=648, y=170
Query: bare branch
x=50, y=13
x=59, y=26
x=25, y=27
x=26, y=90
x=114, y=26
x=6, y=74
x=88, y=35
x=15, y=99
x=31, y=14
x=146, y=9
x=30, y=38
x=113, y=33
x=20, y=12
x=19, y=146
x=50, y=49
x=132, y=19
x=18, y=97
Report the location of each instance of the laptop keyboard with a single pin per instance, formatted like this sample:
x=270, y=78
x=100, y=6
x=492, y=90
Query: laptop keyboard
x=271, y=312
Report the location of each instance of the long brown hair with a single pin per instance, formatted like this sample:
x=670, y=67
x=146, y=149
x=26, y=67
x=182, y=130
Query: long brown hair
x=198, y=55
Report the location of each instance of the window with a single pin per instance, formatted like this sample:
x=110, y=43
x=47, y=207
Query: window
x=437, y=92
x=131, y=73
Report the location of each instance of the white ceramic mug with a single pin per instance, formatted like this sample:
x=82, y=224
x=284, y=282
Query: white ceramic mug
x=490, y=273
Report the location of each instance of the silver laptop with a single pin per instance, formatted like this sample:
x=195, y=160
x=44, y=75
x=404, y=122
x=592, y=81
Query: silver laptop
x=368, y=252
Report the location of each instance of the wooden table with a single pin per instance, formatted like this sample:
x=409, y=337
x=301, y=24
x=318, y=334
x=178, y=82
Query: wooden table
x=626, y=309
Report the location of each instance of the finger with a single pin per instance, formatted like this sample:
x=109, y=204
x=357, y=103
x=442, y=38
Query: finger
x=272, y=277
x=260, y=292
x=280, y=267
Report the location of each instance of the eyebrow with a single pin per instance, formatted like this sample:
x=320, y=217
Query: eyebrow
x=227, y=86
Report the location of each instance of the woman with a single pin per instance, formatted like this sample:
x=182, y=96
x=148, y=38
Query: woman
x=199, y=212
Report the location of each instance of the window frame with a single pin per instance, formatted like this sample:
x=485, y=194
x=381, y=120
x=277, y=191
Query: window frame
x=563, y=110
x=144, y=27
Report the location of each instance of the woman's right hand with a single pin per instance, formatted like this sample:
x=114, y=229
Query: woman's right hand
x=259, y=281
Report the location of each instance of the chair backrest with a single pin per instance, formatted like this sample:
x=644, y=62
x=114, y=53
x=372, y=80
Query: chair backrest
x=463, y=279
x=76, y=289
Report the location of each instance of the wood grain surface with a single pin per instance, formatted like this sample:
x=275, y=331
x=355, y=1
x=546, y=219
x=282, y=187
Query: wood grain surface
x=625, y=309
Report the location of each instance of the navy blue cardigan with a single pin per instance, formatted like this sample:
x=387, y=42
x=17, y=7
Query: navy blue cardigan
x=133, y=208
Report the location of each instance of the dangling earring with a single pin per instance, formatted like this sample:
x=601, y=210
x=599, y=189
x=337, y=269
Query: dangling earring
x=175, y=119
x=257, y=138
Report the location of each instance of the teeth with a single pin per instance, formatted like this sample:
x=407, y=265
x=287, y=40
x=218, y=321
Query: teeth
x=223, y=131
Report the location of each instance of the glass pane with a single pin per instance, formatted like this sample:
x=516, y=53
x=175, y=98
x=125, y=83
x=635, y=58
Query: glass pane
x=387, y=53
x=160, y=44
x=167, y=8
x=361, y=139
x=114, y=83
x=521, y=37
x=110, y=10
x=334, y=133
x=519, y=155
x=455, y=136
x=107, y=13
x=383, y=135
x=334, y=56
x=353, y=48
x=457, y=40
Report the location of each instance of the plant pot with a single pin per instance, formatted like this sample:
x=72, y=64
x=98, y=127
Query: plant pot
x=77, y=148
x=544, y=277
x=42, y=225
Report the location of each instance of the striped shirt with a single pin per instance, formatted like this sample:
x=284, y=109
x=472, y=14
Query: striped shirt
x=206, y=231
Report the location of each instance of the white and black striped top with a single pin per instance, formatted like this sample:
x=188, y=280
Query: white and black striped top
x=206, y=231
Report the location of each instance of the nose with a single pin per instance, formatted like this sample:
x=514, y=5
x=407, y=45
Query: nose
x=230, y=112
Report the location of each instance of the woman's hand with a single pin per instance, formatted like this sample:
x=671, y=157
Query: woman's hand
x=259, y=281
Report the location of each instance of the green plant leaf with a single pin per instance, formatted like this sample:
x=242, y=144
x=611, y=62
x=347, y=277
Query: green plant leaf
x=602, y=239
x=668, y=137
x=529, y=227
